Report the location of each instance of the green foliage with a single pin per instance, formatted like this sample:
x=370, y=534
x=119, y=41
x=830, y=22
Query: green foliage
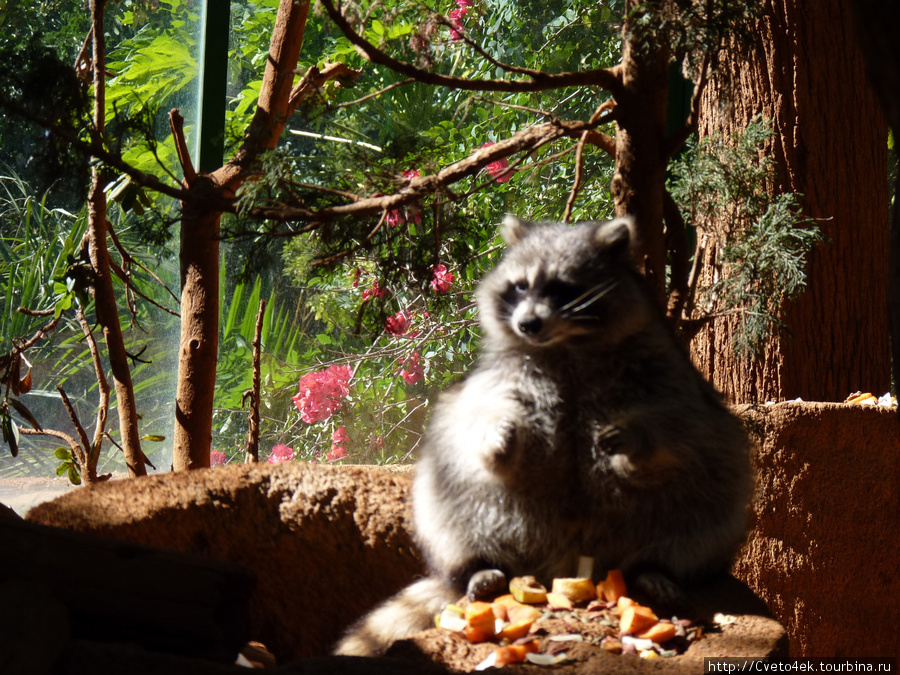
x=764, y=244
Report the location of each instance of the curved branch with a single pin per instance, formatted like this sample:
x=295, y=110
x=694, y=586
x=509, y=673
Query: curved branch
x=525, y=140
x=607, y=78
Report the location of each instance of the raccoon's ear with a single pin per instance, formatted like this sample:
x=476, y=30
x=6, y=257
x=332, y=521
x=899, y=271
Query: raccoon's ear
x=514, y=230
x=616, y=236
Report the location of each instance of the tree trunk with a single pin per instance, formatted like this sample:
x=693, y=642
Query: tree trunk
x=104, y=295
x=877, y=21
x=638, y=184
x=198, y=350
x=806, y=76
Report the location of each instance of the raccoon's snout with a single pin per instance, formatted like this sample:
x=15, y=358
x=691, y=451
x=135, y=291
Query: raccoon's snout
x=531, y=325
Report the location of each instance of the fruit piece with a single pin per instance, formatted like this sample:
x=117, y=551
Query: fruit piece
x=480, y=622
x=451, y=620
x=580, y=589
x=514, y=631
x=621, y=604
x=520, y=613
x=558, y=601
x=661, y=632
x=613, y=587
x=636, y=619
x=514, y=653
x=611, y=644
x=521, y=619
x=527, y=590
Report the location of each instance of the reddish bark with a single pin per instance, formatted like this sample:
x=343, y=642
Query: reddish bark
x=198, y=350
x=807, y=76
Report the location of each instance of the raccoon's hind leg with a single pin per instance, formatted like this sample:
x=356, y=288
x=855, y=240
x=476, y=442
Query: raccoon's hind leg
x=400, y=616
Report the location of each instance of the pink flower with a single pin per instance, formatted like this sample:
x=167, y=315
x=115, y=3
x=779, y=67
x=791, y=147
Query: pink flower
x=409, y=174
x=280, y=453
x=455, y=21
x=441, y=279
x=338, y=450
x=412, y=370
x=217, y=458
x=398, y=324
x=376, y=291
x=464, y=3
x=497, y=168
x=321, y=392
x=395, y=217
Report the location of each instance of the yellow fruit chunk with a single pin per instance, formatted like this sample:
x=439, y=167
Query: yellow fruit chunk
x=613, y=587
x=527, y=590
x=577, y=590
x=636, y=619
x=558, y=601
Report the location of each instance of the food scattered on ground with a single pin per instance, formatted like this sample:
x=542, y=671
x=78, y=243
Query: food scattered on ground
x=575, y=611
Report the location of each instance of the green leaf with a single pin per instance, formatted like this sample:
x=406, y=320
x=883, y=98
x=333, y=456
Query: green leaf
x=74, y=477
x=64, y=454
x=154, y=438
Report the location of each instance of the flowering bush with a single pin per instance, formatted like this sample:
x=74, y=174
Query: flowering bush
x=398, y=324
x=376, y=291
x=497, y=168
x=441, y=279
x=412, y=370
x=281, y=453
x=338, y=448
x=321, y=392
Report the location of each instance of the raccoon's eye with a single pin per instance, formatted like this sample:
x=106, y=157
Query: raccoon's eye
x=520, y=286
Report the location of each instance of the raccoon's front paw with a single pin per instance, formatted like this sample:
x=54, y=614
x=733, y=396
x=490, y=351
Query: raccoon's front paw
x=485, y=584
x=498, y=447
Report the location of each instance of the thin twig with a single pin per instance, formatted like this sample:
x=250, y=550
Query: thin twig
x=80, y=450
x=253, y=431
x=102, y=385
x=375, y=94
x=579, y=177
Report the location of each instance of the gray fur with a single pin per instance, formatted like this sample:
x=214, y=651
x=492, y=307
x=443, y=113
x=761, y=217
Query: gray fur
x=584, y=430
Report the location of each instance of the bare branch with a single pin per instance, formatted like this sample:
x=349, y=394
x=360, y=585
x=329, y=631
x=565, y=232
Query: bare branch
x=579, y=176
x=79, y=450
x=315, y=79
x=527, y=139
x=102, y=385
x=607, y=78
x=375, y=94
x=176, y=124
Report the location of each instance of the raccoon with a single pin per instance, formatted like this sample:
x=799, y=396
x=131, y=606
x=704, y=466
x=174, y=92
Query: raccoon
x=584, y=430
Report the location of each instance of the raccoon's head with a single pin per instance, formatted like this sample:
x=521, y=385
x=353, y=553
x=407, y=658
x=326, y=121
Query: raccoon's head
x=558, y=282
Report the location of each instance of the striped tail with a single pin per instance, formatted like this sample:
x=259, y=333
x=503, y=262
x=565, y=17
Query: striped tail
x=410, y=611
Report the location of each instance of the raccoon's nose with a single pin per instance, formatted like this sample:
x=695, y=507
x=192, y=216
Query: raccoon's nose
x=530, y=326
